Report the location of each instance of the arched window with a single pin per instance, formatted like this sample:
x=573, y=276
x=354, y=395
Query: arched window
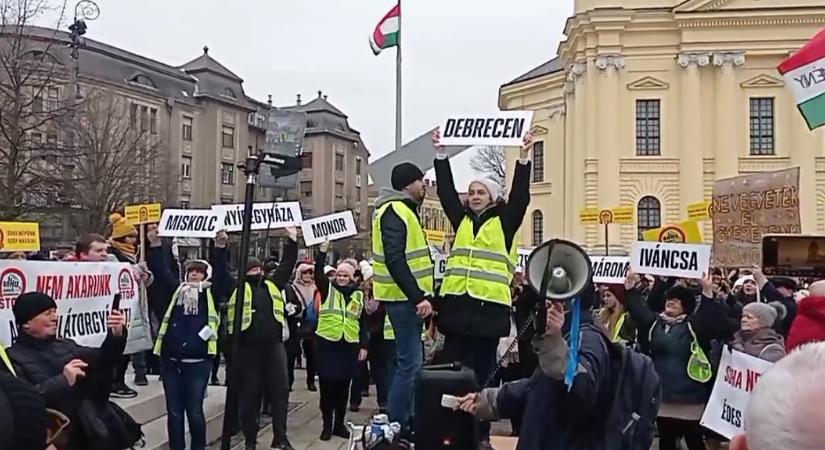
x=648, y=214
x=227, y=92
x=143, y=80
x=538, y=228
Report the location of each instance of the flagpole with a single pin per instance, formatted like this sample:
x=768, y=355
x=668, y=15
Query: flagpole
x=398, y=81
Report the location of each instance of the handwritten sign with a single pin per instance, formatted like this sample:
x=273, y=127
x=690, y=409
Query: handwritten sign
x=610, y=269
x=19, y=236
x=333, y=227
x=502, y=128
x=670, y=260
x=738, y=376
x=192, y=223
x=746, y=207
x=141, y=214
x=265, y=216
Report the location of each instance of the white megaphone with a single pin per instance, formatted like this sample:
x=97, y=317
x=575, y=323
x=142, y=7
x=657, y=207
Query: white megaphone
x=557, y=270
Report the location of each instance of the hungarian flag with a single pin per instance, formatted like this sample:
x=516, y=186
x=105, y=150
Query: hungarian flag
x=387, y=31
x=804, y=72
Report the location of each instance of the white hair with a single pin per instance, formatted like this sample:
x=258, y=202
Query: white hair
x=785, y=410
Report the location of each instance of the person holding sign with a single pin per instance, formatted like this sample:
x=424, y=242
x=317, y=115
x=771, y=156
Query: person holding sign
x=474, y=312
x=678, y=341
x=262, y=356
x=342, y=341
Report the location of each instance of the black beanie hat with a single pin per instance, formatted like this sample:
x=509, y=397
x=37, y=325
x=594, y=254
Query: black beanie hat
x=30, y=305
x=252, y=263
x=404, y=175
x=22, y=414
x=685, y=296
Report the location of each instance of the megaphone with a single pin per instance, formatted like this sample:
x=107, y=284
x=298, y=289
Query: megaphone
x=558, y=270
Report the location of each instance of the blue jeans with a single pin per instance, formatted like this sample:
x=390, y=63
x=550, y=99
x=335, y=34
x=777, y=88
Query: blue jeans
x=185, y=386
x=410, y=357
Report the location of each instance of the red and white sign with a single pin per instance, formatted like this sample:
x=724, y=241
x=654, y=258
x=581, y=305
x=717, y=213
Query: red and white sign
x=83, y=292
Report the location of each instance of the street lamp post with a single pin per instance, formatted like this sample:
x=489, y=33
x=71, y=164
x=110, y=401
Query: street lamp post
x=84, y=10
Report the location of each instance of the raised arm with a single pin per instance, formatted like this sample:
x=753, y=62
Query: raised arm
x=222, y=281
x=519, y=198
x=445, y=184
x=321, y=281
x=288, y=259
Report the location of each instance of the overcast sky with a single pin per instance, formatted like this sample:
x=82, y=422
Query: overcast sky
x=456, y=52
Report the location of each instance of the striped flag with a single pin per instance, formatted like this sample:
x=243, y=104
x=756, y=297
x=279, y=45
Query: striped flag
x=804, y=73
x=387, y=31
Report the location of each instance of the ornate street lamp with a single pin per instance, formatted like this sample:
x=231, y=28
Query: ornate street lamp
x=84, y=10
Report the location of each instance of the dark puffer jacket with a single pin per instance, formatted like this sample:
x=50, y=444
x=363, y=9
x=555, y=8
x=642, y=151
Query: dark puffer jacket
x=463, y=314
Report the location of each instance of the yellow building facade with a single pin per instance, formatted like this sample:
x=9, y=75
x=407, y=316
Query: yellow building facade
x=649, y=101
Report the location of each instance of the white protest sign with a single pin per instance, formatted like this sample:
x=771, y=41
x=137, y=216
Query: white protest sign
x=190, y=223
x=670, y=259
x=523, y=254
x=738, y=374
x=333, y=227
x=83, y=292
x=610, y=269
x=265, y=216
x=439, y=266
x=502, y=128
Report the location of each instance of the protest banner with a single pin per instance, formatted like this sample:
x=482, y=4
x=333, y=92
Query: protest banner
x=83, y=292
x=737, y=377
x=746, y=207
x=265, y=216
x=610, y=269
x=439, y=265
x=699, y=211
x=502, y=128
x=670, y=260
x=190, y=223
x=332, y=227
x=589, y=216
x=523, y=254
x=687, y=232
x=142, y=214
x=19, y=237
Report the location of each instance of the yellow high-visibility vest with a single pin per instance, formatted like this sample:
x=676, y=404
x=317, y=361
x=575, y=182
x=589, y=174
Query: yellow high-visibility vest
x=480, y=265
x=417, y=254
x=246, y=319
x=389, y=331
x=338, y=319
x=5, y=357
x=213, y=322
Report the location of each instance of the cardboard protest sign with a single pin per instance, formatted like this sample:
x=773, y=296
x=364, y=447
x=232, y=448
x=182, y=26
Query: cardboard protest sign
x=670, y=260
x=265, y=216
x=439, y=266
x=503, y=128
x=746, y=207
x=19, y=236
x=738, y=376
x=190, y=223
x=610, y=269
x=687, y=232
x=333, y=227
x=142, y=214
x=83, y=292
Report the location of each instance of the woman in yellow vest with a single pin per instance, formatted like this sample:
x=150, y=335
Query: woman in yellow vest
x=475, y=299
x=187, y=343
x=613, y=315
x=341, y=343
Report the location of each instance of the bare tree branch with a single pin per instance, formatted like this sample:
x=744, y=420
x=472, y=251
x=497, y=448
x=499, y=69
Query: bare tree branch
x=489, y=161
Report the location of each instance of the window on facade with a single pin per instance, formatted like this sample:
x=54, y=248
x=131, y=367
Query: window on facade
x=538, y=162
x=357, y=193
x=144, y=118
x=228, y=137
x=35, y=140
x=133, y=114
x=186, y=167
x=358, y=166
x=153, y=121
x=227, y=92
x=762, y=126
x=339, y=189
x=227, y=173
x=187, y=129
x=538, y=228
x=53, y=99
x=310, y=124
x=306, y=160
x=51, y=139
x=306, y=189
x=339, y=162
x=184, y=204
x=143, y=80
x=648, y=214
x=648, y=128
x=37, y=101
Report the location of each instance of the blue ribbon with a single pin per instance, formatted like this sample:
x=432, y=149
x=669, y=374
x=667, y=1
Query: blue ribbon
x=573, y=355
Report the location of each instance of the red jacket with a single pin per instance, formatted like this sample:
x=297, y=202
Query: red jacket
x=809, y=324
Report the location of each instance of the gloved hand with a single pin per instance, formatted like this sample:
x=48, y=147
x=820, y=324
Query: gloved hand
x=290, y=309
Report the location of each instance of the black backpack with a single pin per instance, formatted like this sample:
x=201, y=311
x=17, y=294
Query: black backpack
x=631, y=421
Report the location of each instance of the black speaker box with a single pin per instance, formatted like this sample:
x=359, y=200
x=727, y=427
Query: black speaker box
x=437, y=427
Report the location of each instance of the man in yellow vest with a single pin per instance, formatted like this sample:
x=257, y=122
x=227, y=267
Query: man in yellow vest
x=403, y=277
x=7, y=365
x=261, y=355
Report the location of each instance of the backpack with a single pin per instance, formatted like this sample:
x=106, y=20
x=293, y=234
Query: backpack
x=631, y=421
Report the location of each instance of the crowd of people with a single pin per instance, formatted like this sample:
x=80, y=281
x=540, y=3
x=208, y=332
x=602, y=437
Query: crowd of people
x=360, y=322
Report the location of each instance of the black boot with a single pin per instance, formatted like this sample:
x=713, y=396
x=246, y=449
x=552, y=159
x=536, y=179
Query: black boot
x=140, y=379
x=326, y=431
x=340, y=430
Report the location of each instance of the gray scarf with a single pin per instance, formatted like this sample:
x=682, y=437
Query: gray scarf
x=188, y=295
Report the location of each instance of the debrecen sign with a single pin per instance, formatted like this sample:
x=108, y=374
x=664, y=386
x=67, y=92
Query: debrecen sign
x=503, y=128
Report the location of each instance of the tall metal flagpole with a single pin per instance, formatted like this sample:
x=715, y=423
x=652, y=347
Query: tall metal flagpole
x=398, y=80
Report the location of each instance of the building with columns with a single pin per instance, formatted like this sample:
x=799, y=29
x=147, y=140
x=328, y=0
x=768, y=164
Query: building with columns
x=647, y=102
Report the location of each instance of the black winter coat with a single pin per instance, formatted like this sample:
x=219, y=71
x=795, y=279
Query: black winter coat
x=464, y=315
